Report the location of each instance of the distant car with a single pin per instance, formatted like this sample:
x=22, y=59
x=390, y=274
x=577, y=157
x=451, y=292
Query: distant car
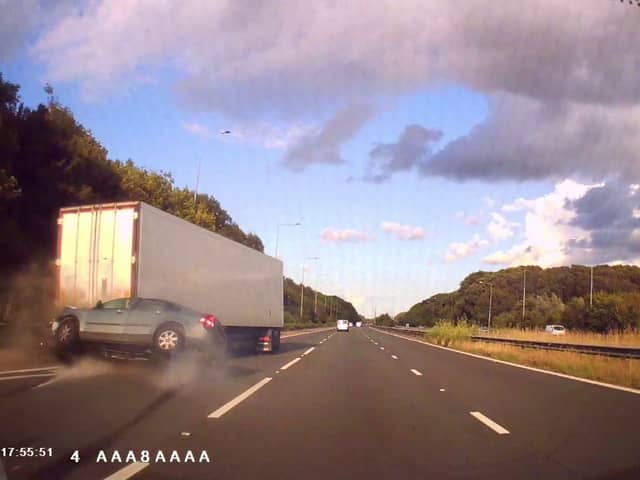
x=555, y=329
x=150, y=324
x=342, y=326
x=358, y=324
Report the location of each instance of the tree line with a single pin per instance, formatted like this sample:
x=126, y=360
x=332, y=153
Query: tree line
x=316, y=306
x=48, y=160
x=559, y=295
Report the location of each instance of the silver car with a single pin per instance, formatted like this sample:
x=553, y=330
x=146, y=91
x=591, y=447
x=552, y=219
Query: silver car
x=152, y=324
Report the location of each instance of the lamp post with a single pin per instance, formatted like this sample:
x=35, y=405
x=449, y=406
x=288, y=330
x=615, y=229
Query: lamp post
x=302, y=286
x=591, y=289
x=297, y=224
x=490, y=302
x=195, y=192
x=524, y=294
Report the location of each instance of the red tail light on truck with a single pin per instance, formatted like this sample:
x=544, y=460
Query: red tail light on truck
x=208, y=321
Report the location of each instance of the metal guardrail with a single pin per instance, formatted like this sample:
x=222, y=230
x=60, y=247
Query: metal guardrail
x=602, y=350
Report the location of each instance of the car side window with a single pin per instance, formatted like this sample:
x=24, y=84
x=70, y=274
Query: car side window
x=151, y=305
x=117, y=304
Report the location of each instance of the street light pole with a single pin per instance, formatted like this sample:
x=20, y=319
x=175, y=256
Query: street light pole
x=315, y=304
x=195, y=193
x=302, y=286
x=591, y=289
x=490, y=301
x=524, y=294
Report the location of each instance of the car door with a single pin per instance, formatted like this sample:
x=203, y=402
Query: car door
x=105, y=323
x=144, y=317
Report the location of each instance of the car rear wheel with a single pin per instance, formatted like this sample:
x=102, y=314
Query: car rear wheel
x=168, y=340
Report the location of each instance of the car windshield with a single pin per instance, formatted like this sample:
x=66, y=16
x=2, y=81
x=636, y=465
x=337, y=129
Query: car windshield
x=320, y=239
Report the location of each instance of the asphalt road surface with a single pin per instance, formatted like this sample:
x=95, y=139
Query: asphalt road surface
x=362, y=404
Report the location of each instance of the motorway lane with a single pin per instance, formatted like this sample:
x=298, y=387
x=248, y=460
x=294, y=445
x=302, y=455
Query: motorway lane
x=593, y=430
x=348, y=410
x=128, y=405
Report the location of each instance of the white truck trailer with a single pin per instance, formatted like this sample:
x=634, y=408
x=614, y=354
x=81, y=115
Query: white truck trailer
x=127, y=250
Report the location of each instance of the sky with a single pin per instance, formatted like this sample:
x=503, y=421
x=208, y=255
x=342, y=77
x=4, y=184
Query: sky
x=414, y=141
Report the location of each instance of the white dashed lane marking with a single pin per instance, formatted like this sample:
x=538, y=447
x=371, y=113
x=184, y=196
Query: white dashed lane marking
x=243, y=396
x=499, y=429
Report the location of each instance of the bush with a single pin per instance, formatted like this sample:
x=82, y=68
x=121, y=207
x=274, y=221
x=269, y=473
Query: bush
x=446, y=333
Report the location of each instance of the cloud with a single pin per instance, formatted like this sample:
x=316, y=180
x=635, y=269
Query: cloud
x=518, y=205
x=324, y=145
x=561, y=83
x=343, y=236
x=412, y=149
x=197, y=129
x=500, y=228
x=459, y=250
x=403, y=232
x=609, y=213
x=291, y=56
x=15, y=22
x=524, y=139
x=270, y=136
x=468, y=218
x=548, y=229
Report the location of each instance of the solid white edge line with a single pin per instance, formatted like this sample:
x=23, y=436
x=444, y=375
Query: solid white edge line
x=416, y=372
x=128, y=471
x=33, y=375
x=524, y=367
x=243, y=396
x=48, y=382
x=499, y=429
x=41, y=369
x=291, y=363
x=309, y=351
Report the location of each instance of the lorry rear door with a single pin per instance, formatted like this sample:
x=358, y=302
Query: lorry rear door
x=95, y=254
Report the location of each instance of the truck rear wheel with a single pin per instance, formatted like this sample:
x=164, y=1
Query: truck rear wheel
x=275, y=340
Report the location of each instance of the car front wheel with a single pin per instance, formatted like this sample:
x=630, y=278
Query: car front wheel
x=67, y=333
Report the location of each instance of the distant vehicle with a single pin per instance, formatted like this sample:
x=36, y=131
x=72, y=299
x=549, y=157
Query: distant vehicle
x=483, y=330
x=342, y=326
x=555, y=329
x=154, y=325
x=358, y=324
x=351, y=324
x=117, y=251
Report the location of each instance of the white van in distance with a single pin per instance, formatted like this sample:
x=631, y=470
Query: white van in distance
x=342, y=325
